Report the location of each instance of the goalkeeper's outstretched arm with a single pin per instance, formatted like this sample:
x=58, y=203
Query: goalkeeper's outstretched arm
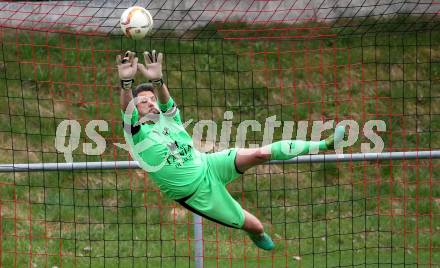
x=127, y=68
x=126, y=97
x=162, y=92
x=152, y=70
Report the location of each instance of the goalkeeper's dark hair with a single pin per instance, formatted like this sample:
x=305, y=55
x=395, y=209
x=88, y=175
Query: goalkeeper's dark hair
x=143, y=87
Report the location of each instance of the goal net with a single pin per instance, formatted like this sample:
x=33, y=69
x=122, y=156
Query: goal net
x=374, y=64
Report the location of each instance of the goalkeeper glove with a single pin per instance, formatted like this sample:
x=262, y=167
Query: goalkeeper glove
x=152, y=69
x=127, y=68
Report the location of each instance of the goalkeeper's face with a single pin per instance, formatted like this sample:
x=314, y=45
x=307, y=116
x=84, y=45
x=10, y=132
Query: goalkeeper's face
x=147, y=103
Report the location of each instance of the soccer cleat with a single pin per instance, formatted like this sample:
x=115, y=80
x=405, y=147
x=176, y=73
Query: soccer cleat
x=337, y=137
x=262, y=241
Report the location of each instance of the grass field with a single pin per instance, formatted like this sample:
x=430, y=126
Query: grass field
x=366, y=214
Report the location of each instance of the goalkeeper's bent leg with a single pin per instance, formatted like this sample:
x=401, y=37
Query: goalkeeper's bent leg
x=254, y=229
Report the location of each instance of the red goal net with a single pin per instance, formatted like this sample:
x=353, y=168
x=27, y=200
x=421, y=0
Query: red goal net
x=225, y=61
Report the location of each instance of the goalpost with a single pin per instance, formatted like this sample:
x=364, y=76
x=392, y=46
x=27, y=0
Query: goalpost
x=231, y=66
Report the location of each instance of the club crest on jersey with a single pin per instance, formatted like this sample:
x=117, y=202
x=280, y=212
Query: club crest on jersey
x=178, y=154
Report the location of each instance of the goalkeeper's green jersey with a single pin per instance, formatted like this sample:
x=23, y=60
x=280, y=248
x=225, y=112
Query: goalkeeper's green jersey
x=165, y=150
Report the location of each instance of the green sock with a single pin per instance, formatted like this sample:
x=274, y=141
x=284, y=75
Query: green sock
x=254, y=235
x=287, y=149
x=337, y=136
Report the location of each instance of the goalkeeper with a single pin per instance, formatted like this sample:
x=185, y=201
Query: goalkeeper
x=161, y=145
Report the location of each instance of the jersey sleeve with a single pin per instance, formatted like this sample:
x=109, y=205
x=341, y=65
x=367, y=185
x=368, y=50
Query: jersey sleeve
x=130, y=123
x=170, y=109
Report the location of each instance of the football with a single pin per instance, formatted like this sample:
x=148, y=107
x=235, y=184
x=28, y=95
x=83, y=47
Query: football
x=136, y=22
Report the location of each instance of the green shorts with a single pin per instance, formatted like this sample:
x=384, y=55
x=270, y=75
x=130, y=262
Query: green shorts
x=212, y=200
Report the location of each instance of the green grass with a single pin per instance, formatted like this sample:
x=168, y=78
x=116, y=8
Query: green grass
x=326, y=215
